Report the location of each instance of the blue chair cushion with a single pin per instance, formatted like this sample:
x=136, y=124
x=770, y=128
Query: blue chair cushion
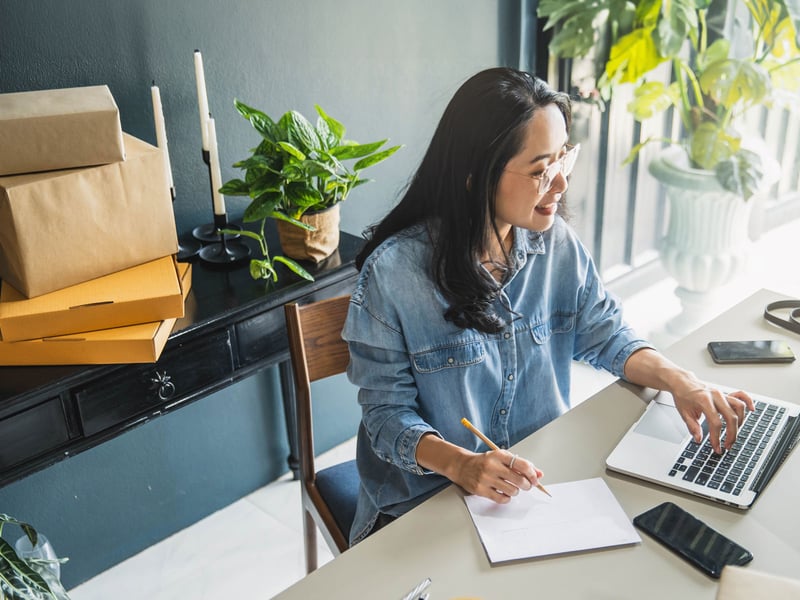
x=338, y=485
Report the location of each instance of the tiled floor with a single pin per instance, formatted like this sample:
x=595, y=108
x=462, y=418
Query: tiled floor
x=259, y=548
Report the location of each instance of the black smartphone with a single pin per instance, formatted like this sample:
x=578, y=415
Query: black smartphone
x=753, y=351
x=691, y=539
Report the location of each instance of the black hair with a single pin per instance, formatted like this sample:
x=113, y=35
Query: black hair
x=453, y=191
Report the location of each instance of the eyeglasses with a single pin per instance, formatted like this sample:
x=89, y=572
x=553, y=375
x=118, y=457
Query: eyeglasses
x=564, y=165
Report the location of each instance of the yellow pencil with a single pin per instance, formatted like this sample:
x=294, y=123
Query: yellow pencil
x=465, y=422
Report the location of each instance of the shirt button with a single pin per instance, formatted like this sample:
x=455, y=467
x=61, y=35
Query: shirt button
x=506, y=335
x=511, y=377
x=450, y=360
x=503, y=411
x=502, y=446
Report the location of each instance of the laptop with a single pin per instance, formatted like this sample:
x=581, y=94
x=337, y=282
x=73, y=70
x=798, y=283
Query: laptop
x=658, y=448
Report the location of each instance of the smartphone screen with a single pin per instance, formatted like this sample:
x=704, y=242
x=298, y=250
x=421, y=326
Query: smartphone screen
x=692, y=539
x=756, y=351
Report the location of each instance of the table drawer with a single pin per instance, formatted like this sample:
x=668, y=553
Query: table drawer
x=180, y=371
x=264, y=335
x=32, y=432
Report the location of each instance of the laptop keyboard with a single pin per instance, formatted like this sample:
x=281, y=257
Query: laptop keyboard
x=730, y=471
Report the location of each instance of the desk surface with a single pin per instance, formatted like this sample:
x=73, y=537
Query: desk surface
x=438, y=539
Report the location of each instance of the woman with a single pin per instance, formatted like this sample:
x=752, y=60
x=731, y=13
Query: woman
x=473, y=300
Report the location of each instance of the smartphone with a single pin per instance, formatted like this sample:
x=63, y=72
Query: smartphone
x=758, y=351
x=691, y=539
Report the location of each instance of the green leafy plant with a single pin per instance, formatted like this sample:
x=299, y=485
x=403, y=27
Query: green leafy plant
x=26, y=579
x=297, y=168
x=714, y=81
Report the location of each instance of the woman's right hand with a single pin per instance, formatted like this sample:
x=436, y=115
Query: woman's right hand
x=497, y=475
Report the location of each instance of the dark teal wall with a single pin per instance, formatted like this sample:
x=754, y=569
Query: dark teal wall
x=385, y=68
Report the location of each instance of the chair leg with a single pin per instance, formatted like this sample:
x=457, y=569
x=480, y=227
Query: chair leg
x=310, y=534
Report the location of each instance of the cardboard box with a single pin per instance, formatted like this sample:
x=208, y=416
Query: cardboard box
x=141, y=294
x=61, y=228
x=132, y=344
x=59, y=129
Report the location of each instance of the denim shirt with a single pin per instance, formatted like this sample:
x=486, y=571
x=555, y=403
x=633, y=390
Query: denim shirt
x=418, y=373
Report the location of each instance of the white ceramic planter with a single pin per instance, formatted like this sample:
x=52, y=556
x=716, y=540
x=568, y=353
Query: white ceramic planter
x=707, y=243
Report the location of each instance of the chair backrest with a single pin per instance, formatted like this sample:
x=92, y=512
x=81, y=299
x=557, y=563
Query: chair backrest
x=318, y=351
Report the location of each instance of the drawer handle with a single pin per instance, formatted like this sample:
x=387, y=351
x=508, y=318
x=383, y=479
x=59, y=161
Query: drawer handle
x=163, y=383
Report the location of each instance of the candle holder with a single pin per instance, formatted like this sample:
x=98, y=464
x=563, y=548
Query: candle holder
x=226, y=251
x=209, y=233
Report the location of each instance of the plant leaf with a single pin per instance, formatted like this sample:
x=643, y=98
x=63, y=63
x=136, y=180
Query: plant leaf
x=284, y=217
x=651, y=98
x=742, y=173
x=259, y=120
x=262, y=269
x=235, y=187
x=731, y=81
x=677, y=21
x=336, y=128
x=374, y=159
x=354, y=150
x=292, y=150
x=300, y=133
x=262, y=206
x=325, y=135
x=709, y=145
x=302, y=195
x=293, y=266
x=633, y=56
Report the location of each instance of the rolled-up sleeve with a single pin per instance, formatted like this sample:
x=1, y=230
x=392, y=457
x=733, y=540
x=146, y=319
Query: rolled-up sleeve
x=380, y=367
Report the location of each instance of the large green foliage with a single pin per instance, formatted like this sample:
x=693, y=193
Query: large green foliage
x=713, y=84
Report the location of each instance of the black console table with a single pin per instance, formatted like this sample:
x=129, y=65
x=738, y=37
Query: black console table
x=233, y=327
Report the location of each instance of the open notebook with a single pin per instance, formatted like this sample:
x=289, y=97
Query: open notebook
x=581, y=515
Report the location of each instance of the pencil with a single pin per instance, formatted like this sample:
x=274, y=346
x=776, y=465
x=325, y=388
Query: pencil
x=465, y=422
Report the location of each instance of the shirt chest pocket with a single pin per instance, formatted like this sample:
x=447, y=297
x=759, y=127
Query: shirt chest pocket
x=450, y=357
x=557, y=323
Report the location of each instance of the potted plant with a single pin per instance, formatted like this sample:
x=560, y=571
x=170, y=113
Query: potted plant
x=27, y=578
x=298, y=175
x=716, y=75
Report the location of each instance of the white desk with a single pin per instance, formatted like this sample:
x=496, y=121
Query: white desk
x=438, y=539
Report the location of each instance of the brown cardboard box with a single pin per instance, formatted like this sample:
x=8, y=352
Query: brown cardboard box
x=61, y=228
x=59, y=129
x=132, y=344
x=142, y=294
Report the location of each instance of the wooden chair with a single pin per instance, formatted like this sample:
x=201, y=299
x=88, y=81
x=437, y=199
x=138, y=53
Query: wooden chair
x=318, y=351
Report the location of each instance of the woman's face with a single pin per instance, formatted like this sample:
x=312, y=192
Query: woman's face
x=519, y=202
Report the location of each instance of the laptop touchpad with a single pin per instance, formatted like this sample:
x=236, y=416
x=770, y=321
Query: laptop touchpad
x=663, y=422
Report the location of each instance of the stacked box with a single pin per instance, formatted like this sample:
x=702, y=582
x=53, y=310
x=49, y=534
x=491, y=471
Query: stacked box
x=59, y=129
x=141, y=343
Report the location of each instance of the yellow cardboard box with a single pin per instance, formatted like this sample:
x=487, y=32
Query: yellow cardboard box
x=61, y=228
x=141, y=294
x=59, y=129
x=132, y=344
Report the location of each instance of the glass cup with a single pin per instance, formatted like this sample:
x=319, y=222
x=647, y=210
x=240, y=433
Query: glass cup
x=43, y=549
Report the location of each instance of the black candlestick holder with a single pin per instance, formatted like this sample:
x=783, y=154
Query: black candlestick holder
x=209, y=233
x=225, y=251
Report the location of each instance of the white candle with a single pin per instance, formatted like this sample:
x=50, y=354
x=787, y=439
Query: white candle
x=161, y=133
x=202, y=97
x=216, y=175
